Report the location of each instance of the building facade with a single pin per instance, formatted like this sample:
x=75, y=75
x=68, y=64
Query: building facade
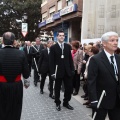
x=62, y=14
x=100, y=16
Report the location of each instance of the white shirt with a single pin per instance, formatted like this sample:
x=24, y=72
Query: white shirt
x=28, y=49
x=61, y=44
x=48, y=49
x=115, y=64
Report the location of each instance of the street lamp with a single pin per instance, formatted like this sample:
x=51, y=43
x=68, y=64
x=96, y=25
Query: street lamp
x=24, y=17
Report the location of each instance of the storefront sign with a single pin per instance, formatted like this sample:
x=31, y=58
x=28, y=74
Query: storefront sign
x=42, y=24
x=68, y=9
x=56, y=16
x=49, y=20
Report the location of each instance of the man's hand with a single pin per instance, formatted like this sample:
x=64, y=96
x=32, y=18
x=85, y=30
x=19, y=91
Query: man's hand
x=26, y=83
x=94, y=106
x=53, y=76
x=84, y=62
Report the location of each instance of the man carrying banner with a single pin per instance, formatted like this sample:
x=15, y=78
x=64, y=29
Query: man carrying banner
x=36, y=50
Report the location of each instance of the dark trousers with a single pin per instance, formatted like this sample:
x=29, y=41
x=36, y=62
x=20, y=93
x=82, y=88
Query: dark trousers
x=36, y=76
x=30, y=65
x=68, y=84
x=76, y=81
x=43, y=78
x=114, y=114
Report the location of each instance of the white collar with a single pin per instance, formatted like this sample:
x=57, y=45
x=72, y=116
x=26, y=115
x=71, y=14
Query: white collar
x=60, y=43
x=108, y=55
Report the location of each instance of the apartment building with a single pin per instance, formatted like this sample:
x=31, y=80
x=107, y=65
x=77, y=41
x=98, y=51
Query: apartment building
x=62, y=14
x=100, y=16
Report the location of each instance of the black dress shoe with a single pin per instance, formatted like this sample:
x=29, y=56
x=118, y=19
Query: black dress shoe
x=52, y=96
x=86, y=103
x=75, y=93
x=41, y=91
x=86, y=98
x=35, y=83
x=58, y=108
x=68, y=106
x=88, y=106
x=83, y=96
x=39, y=81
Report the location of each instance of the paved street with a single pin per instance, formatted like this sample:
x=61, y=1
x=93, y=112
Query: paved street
x=41, y=107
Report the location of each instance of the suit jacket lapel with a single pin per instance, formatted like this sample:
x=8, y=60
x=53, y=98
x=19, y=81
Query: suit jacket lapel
x=46, y=52
x=60, y=50
x=118, y=66
x=107, y=63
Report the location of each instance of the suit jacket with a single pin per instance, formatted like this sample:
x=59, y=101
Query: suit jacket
x=28, y=55
x=101, y=77
x=43, y=63
x=86, y=57
x=86, y=68
x=36, y=52
x=13, y=62
x=77, y=60
x=65, y=65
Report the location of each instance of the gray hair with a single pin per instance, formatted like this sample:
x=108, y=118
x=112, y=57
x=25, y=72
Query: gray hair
x=107, y=35
x=37, y=38
x=49, y=41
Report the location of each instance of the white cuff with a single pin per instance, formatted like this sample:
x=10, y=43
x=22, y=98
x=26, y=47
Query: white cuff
x=94, y=101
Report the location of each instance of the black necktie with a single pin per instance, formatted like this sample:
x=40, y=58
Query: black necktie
x=114, y=68
x=112, y=63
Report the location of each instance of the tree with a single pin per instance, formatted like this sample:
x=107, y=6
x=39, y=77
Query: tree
x=12, y=10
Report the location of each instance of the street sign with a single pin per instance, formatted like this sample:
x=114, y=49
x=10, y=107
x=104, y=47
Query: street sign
x=24, y=29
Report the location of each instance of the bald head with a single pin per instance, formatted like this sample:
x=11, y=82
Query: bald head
x=8, y=38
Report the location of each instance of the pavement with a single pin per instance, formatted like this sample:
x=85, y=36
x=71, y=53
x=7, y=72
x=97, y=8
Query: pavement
x=38, y=106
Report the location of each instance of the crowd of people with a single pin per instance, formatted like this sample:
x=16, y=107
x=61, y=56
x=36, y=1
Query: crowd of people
x=65, y=64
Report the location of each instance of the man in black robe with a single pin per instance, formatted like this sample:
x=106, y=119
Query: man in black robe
x=13, y=64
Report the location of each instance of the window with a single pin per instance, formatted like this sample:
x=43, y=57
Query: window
x=51, y=14
x=113, y=13
x=114, y=28
x=44, y=16
x=100, y=30
x=59, y=5
x=52, y=10
x=101, y=13
x=44, y=1
x=69, y=2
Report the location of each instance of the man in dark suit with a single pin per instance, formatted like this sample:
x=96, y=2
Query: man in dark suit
x=28, y=52
x=36, y=51
x=43, y=65
x=13, y=64
x=104, y=74
x=60, y=54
